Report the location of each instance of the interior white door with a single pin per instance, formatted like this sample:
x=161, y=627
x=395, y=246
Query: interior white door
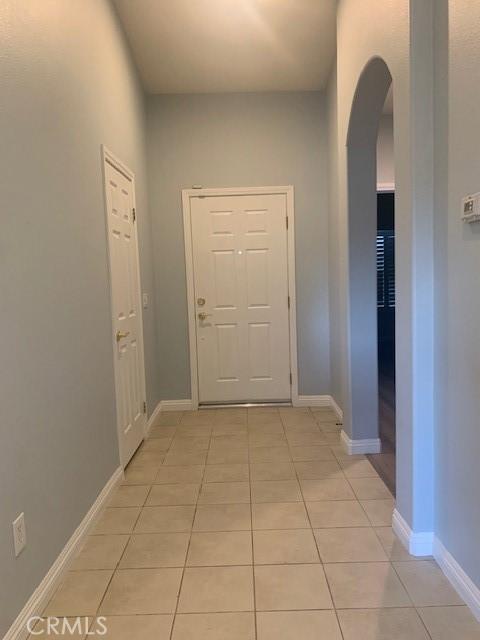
x=240, y=258
x=126, y=311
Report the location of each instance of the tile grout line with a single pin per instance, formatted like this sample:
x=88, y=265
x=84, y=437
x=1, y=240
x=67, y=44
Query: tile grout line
x=319, y=554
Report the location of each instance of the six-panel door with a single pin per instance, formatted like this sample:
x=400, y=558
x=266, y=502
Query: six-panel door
x=127, y=330
x=241, y=272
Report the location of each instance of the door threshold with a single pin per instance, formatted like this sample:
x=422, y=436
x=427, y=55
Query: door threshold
x=243, y=405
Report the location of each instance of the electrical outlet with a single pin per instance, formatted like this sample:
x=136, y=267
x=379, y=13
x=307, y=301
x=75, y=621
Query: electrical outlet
x=19, y=534
x=145, y=300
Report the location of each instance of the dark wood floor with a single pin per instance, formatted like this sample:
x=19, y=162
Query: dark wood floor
x=384, y=462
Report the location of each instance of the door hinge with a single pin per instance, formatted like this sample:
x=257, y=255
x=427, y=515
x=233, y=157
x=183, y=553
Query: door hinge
x=134, y=214
x=288, y=301
x=291, y=379
x=144, y=407
x=286, y=221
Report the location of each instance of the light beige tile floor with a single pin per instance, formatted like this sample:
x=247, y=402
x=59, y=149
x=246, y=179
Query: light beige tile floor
x=237, y=524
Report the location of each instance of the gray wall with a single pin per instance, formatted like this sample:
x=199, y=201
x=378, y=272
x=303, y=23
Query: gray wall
x=458, y=427
x=67, y=86
x=239, y=140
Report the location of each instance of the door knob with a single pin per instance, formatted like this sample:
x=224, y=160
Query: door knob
x=200, y=302
x=203, y=316
x=122, y=334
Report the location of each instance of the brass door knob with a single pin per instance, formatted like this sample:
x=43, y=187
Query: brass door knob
x=203, y=316
x=122, y=334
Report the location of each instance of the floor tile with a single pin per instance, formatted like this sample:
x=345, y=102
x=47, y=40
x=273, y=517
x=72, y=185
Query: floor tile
x=363, y=585
x=216, y=589
x=143, y=475
x=197, y=418
x=223, y=517
x=256, y=440
x=284, y=547
x=194, y=430
x=382, y=624
x=296, y=625
x=234, y=440
x=150, y=550
x=370, y=489
x=100, y=552
x=165, y=519
x=349, y=545
x=225, y=455
x=318, y=469
x=146, y=459
x=229, y=430
x=225, y=493
x=79, y=594
x=275, y=428
x=358, y=468
x=291, y=587
x=117, y=520
x=332, y=438
x=220, y=549
x=197, y=443
x=162, y=432
x=311, y=453
x=173, y=494
x=307, y=440
x=130, y=496
x=272, y=471
x=156, y=627
x=226, y=473
x=330, y=489
x=232, y=417
x=264, y=418
x=157, y=444
x=379, y=512
x=185, y=458
x=280, y=515
x=181, y=475
x=142, y=591
x=214, y=626
x=337, y=513
x=276, y=491
x=426, y=584
x=450, y=623
x=269, y=454
x=168, y=418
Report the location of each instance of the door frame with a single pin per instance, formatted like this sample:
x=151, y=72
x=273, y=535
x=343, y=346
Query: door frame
x=109, y=158
x=187, y=195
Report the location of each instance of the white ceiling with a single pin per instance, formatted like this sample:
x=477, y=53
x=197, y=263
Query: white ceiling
x=204, y=46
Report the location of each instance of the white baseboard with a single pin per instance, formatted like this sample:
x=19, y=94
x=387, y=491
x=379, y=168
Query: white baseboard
x=42, y=594
x=154, y=415
x=355, y=447
x=311, y=401
x=459, y=580
x=336, y=408
x=176, y=405
x=417, y=544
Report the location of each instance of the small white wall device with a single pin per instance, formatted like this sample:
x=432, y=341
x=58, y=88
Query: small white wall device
x=471, y=208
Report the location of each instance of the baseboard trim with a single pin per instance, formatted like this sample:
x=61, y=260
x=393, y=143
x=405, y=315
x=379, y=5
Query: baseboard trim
x=336, y=408
x=176, y=405
x=154, y=415
x=459, y=580
x=417, y=544
x=42, y=594
x=311, y=401
x=355, y=447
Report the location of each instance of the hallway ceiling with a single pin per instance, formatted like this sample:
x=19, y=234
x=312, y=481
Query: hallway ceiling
x=206, y=46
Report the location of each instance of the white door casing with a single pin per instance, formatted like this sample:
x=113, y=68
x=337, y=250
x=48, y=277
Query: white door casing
x=127, y=326
x=240, y=260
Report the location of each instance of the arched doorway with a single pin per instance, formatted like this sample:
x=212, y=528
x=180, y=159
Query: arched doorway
x=367, y=108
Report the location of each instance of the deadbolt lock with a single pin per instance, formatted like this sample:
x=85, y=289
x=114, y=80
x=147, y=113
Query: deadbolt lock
x=200, y=302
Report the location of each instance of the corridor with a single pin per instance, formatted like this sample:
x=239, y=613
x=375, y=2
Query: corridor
x=244, y=524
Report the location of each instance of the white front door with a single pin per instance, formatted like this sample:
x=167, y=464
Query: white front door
x=240, y=262
x=126, y=310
